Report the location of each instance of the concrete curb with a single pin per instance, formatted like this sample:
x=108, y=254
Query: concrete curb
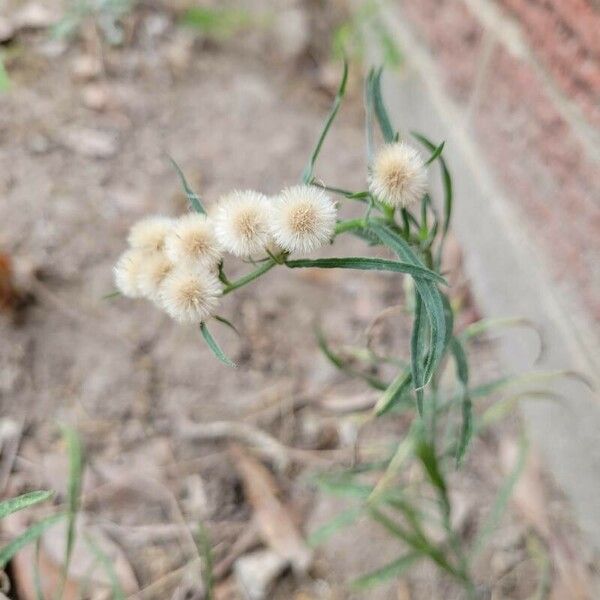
x=509, y=278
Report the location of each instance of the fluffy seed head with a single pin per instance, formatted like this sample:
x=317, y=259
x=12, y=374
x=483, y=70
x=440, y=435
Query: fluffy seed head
x=153, y=270
x=398, y=176
x=303, y=218
x=149, y=234
x=193, y=241
x=242, y=222
x=126, y=272
x=190, y=295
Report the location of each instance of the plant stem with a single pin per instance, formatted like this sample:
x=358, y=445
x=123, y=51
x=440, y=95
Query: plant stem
x=242, y=281
x=349, y=225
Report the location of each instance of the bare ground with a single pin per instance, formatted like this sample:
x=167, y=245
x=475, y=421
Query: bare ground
x=84, y=156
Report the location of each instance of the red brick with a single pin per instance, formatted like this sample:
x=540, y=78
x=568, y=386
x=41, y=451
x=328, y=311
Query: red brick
x=453, y=35
x=565, y=36
x=544, y=171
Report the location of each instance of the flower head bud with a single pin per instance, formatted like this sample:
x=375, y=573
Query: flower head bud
x=149, y=234
x=242, y=222
x=398, y=175
x=303, y=218
x=193, y=241
x=190, y=295
x=127, y=270
x=153, y=270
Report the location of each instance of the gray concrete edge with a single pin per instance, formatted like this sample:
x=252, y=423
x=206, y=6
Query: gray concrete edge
x=509, y=277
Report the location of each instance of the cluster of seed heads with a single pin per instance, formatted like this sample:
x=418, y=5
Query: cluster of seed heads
x=176, y=263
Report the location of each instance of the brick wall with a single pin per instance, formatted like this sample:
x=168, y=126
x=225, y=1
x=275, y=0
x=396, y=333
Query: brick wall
x=526, y=76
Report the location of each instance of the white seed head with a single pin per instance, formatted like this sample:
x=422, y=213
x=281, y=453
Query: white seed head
x=127, y=270
x=193, y=241
x=303, y=218
x=190, y=295
x=242, y=222
x=398, y=175
x=149, y=234
x=153, y=270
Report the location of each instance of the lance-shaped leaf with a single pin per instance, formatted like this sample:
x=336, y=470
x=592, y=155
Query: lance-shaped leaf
x=30, y=535
x=430, y=296
x=367, y=264
x=12, y=505
x=390, y=571
x=216, y=349
x=192, y=197
x=385, y=124
x=448, y=189
x=307, y=175
x=462, y=371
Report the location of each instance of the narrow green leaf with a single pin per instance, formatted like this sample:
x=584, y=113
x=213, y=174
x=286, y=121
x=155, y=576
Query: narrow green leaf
x=387, y=130
x=76, y=462
x=418, y=350
x=435, y=153
x=367, y=264
x=394, y=569
x=485, y=325
x=192, y=197
x=393, y=393
x=430, y=295
x=204, y=546
x=30, y=535
x=501, y=501
x=426, y=454
x=368, y=104
x=485, y=389
x=216, y=349
x=417, y=542
x=307, y=175
x=4, y=78
x=342, y=519
x=448, y=191
x=106, y=563
x=111, y=295
x=342, y=365
x=226, y=322
x=13, y=505
x=502, y=408
x=462, y=370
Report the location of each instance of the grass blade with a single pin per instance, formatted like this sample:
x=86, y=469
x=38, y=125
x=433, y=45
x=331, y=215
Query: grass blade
x=436, y=153
x=30, y=535
x=343, y=519
x=394, y=393
x=448, y=191
x=367, y=264
x=216, y=349
x=226, y=322
x=308, y=172
x=12, y=505
x=338, y=362
x=105, y=562
x=501, y=501
x=192, y=197
x=76, y=462
x=389, y=571
x=204, y=546
x=387, y=130
x=462, y=371
x=418, y=351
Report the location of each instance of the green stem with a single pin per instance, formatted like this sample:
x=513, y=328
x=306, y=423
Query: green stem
x=242, y=281
x=335, y=190
x=349, y=225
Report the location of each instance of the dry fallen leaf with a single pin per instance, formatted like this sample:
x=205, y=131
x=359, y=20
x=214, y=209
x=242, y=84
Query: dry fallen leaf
x=275, y=525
